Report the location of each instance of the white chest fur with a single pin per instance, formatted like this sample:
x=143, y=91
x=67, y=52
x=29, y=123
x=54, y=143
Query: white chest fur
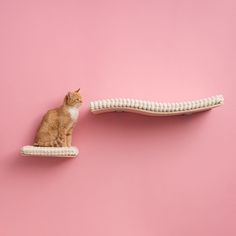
x=74, y=113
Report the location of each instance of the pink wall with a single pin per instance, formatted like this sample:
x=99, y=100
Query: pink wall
x=135, y=175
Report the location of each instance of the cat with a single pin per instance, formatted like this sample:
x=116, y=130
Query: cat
x=57, y=124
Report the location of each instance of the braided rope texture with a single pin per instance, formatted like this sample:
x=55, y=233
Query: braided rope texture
x=49, y=151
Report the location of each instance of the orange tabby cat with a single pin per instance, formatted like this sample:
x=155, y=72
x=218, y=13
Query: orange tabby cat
x=56, y=127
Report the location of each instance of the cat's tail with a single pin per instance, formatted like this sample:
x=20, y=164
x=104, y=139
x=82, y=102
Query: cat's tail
x=58, y=142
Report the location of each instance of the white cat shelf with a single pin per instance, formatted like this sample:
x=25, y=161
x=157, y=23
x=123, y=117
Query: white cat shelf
x=50, y=151
x=54, y=135
x=151, y=108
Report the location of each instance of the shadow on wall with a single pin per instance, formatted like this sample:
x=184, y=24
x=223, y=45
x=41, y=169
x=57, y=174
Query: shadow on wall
x=131, y=135
x=130, y=124
x=37, y=162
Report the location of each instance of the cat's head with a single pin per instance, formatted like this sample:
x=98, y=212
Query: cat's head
x=73, y=99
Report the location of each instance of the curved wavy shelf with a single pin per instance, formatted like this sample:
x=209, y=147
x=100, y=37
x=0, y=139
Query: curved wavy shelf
x=49, y=151
x=152, y=108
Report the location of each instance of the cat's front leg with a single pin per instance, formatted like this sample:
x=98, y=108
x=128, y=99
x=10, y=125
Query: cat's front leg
x=68, y=140
x=69, y=137
x=61, y=139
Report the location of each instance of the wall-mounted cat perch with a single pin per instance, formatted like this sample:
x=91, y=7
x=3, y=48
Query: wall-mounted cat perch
x=53, y=137
x=50, y=151
x=54, y=134
x=150, y=108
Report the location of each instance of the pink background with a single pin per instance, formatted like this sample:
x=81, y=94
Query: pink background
x=135, y=175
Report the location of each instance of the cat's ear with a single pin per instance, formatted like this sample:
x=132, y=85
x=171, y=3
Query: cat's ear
x=77, y=90
x=67, y=97
x=69, y=94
